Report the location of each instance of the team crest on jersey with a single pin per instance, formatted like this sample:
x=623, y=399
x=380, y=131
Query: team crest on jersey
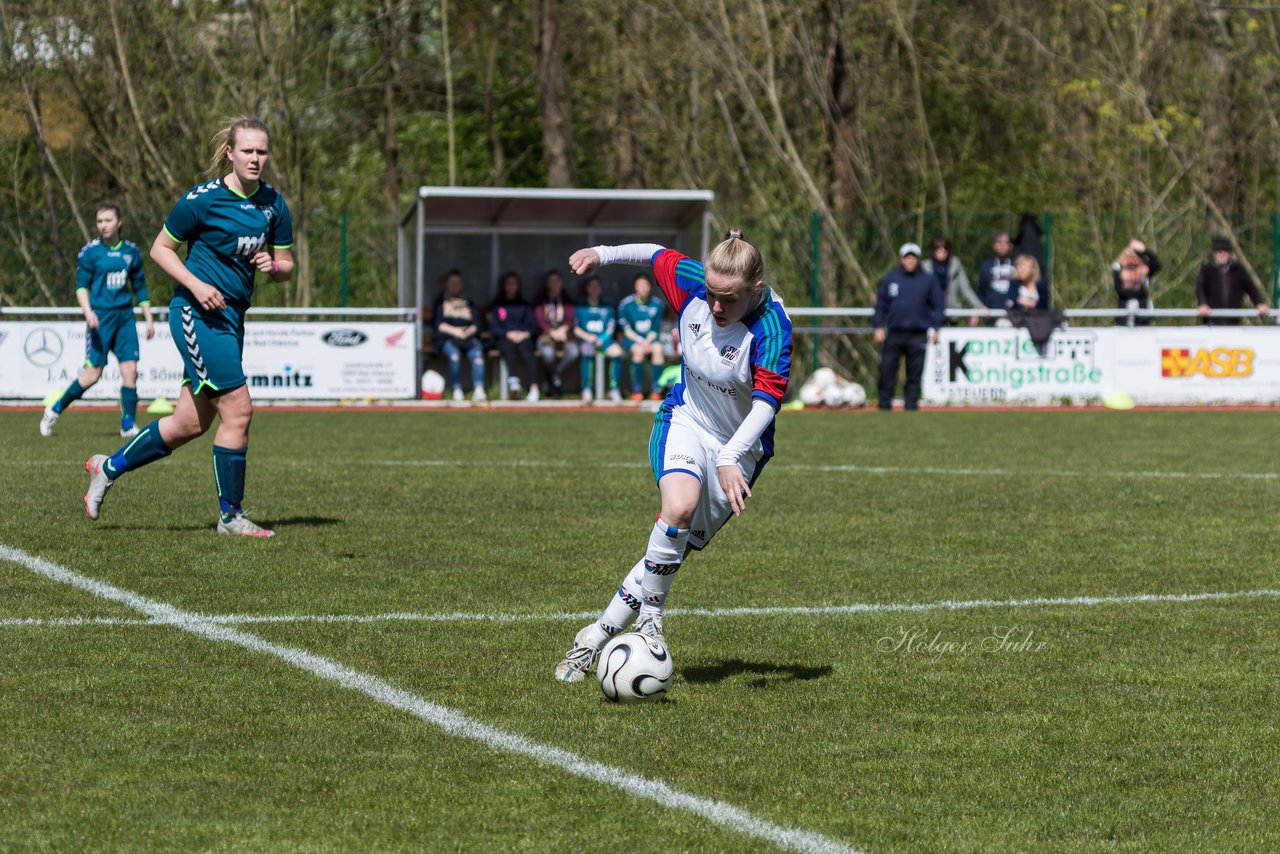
x=728, y=354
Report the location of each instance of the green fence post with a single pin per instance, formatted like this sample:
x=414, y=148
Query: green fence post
x=815, y=239
x=1048, y=244
x=1275, y=258
x=344, y=257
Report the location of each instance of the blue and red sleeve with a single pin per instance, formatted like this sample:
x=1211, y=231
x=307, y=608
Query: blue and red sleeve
x=680, y=278
x=771, y=356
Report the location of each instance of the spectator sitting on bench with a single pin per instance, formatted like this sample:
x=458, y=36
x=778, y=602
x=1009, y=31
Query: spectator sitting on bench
x=456, y=325
x=514, y=327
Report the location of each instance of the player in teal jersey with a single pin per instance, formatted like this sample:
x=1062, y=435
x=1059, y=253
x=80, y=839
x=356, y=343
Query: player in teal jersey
x=595, y=326
x=109, y=278
x=640, y=318
x=235, y=226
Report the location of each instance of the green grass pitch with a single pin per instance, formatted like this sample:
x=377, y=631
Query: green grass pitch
x=1102, y=724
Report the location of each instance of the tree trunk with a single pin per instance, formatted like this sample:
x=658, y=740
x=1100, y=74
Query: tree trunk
x=557, y=125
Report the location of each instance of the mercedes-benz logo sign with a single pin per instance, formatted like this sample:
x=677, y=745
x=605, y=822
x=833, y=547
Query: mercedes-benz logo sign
x=43, y=347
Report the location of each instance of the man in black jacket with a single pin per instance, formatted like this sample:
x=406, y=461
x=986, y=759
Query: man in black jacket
x=910, y=308
x=1222, y=281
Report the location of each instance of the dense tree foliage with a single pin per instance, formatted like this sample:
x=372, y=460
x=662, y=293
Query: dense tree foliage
x=880, y=121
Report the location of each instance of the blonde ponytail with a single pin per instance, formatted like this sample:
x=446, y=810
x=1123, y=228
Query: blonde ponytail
x=737, y=258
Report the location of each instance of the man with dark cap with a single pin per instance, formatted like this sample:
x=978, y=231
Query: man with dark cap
x=1222, y=281
x=910, y=308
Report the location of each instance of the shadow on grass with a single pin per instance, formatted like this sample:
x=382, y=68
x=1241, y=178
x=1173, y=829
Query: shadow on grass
x=203, y=525
x=765, y=672
x=301, y=522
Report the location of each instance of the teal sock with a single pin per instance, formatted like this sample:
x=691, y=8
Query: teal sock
x=128, y=406
x=587, y=370
x=146, y=447
x=615, y=373
x=69, y=396
x=655, y=376
x=228, y=475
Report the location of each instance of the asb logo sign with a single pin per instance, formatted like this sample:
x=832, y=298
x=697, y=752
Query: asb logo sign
x=1218, y=363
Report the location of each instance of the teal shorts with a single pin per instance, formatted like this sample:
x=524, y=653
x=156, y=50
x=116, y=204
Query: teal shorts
x=117, y=333
x=211, y=344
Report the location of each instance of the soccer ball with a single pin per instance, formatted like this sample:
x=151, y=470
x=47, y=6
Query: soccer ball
x=833, y=395
x=854, y=395
x=814, y=388
x=634, y=668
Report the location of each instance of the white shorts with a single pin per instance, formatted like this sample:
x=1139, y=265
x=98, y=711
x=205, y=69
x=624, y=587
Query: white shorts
x=679, y=445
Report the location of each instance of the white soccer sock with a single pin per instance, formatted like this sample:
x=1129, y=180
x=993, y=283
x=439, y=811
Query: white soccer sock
x=662, y=561
x=622, y=608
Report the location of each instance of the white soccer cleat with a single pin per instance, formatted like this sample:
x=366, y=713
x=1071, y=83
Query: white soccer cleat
x=99, y=483
x=614, y=394
x=241, y=526
x=577, y=662
x=47, y=420
x=587, y=395
x=651, y=627
x=130, y=433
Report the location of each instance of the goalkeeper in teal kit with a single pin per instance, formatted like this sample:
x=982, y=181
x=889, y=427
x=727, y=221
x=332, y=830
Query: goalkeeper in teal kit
x=109, y=278
x=234, y=227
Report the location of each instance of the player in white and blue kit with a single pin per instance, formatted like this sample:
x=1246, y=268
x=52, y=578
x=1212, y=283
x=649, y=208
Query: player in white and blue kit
x=109, y=277
x=235, y=227
x=714, y=432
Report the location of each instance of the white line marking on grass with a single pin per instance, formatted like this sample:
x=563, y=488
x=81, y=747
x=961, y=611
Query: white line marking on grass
x=449, y=720
x=859, y=469
x=781, y=610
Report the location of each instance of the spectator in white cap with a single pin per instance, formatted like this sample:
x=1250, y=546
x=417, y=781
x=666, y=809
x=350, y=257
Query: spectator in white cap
x=910, y=308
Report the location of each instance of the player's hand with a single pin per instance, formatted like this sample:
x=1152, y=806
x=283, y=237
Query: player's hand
x=1202, y=310
x=151, y=330
x=735, y=487
x=933, y=336
x=91, y=319
x=879, y=336
x=1263, y=309
x=209, y=297
x=584, y=261
x=264, y=261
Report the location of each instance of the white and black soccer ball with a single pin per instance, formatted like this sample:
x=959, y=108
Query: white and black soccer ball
x=855, y=395
x=634, y=668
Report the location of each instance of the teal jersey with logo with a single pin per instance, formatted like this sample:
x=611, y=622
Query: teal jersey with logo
x=596, y=319
x=223, y=230
x=641, y=318
x=110, y=273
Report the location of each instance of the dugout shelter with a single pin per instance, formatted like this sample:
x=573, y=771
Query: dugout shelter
x=486, y=231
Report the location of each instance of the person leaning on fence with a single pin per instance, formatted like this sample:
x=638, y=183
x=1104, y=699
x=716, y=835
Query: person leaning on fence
x=995, y=275
x=1030, y=290
x=1222, y=281
x=949, y=272
x=1131, y=275
x=910, y=308
x=557, y=344
x=456, y=335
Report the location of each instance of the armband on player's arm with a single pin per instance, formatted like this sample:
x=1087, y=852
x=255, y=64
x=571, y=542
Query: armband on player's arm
x=752, y=427
x=627, y=253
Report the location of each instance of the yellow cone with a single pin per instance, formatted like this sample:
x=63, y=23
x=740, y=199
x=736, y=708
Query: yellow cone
x=1118, y=400
x=160, y=406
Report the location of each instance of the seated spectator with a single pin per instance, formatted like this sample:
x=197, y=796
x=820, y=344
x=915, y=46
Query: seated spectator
x=596, y=327
x=949, y=272
x=514, y=327
x=640, y=319
x=456, y=334
x=1029, y=290
x=1131, y=275
x=557, y=344
x=995, y=275
x=1221, y=283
